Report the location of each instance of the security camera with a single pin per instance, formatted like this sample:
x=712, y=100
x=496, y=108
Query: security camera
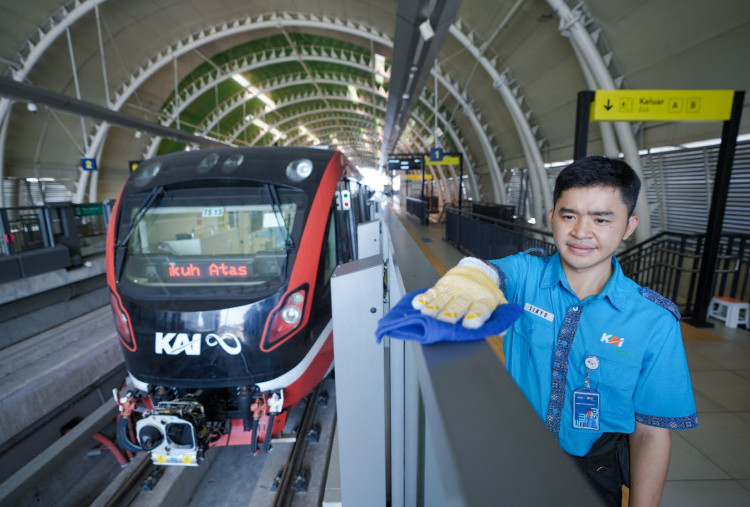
x=31, y=107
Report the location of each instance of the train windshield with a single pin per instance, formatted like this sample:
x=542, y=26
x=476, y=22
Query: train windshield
x=241, y=237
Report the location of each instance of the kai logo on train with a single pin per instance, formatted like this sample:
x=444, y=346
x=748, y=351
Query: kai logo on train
x=173, y=344
x=612, y=340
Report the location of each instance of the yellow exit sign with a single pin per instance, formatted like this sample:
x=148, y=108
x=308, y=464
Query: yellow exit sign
x=662, y=105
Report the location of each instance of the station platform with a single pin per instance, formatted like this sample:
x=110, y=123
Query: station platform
x=59, y=356
x=709, y=464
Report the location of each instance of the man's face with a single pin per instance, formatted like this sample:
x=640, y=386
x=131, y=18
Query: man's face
x=588, y=224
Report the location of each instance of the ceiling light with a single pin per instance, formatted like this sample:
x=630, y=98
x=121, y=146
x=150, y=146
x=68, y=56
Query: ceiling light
x=241, y=80
x=260, y=123
x=266, y=100
x=353, y=93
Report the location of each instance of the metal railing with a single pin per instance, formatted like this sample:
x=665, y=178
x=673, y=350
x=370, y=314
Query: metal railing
x=669, y=263
x=490, y=238
x=39, y=239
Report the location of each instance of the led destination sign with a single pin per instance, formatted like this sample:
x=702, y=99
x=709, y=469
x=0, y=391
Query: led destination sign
x=206, y=270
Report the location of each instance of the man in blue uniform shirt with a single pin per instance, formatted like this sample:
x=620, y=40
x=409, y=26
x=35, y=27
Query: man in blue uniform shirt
x=598, y=357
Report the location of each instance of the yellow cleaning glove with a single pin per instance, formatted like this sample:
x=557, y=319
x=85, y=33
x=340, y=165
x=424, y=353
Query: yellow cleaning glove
x=469, y=290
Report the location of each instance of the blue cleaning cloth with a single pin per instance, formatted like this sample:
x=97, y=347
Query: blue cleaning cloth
x=406, y=323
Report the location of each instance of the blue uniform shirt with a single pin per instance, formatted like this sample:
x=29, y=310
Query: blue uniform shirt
x=632, y=331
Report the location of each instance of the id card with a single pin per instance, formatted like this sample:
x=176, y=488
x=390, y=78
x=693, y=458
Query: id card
x=586, y=409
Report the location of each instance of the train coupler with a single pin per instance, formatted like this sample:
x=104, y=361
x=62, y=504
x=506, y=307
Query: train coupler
x=264, y=412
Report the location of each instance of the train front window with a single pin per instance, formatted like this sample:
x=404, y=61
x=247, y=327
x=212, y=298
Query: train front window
x=241, y=239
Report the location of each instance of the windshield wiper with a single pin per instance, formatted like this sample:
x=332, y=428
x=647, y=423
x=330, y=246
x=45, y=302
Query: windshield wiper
x=151, y=200
x=273, y=196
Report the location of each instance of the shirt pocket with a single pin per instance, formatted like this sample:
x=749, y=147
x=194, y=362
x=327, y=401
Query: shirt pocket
x=531, y=358
x=616, y=380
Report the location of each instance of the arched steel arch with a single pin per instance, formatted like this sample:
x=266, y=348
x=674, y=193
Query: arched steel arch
x=124, y=91
x=572, y=27
x=238, y=99
x=215, y=32
x=285, y=19
x=249, y=63
x=475, y=119
x=542, y=196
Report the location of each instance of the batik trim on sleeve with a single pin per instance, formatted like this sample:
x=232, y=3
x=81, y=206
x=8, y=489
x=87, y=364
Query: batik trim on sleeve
x=501, y=275
x=660, y=300
x=672, y=423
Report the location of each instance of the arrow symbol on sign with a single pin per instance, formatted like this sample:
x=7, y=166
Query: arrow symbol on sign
x=608, y=105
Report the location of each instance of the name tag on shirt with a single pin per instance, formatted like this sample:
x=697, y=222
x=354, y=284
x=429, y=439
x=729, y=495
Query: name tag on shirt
x=539, y=312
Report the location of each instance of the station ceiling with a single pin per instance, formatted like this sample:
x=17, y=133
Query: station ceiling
x=366, y=77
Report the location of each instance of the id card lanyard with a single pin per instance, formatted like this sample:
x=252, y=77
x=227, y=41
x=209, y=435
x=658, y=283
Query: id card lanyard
x=586, y=401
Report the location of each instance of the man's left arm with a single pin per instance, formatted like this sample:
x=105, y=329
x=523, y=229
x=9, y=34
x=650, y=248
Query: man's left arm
x=650, y=447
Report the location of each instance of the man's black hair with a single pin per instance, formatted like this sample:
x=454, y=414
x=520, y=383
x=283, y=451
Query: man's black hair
x=601, y=171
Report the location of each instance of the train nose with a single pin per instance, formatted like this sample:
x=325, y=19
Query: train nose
x=150, y=437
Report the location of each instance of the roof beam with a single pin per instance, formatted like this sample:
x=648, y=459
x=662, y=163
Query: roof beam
x=421, y=29
x=14, y=90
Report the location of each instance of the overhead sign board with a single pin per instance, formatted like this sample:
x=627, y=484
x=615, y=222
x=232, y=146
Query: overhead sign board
x=88, y=164
x=404, y=161
x=439, y=157
x=662, y=105
x=446, y=160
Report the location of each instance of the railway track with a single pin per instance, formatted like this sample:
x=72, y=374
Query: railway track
x=292, y=474
x=39, y=467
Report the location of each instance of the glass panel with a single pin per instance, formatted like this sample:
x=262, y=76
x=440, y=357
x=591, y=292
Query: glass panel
x=92, y=227
x=208, y=244
x=25, y=231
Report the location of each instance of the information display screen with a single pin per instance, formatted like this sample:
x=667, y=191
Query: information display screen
x=404, y=161
x=193, y=271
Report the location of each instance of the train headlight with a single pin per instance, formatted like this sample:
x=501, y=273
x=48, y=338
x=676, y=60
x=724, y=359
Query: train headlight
x=299, y=169
x=292, y=310
x=290, y=314
x=146, y=172
x=286, y=320
x=207, y=163
x=232, y=163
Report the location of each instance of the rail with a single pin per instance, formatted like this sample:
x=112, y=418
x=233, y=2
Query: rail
x=40, y=239
x=669, y=262
x=298, y=459
x=488, y=237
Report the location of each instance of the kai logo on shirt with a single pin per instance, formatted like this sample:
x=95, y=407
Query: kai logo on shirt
x=178, y=343
x=612, y=340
